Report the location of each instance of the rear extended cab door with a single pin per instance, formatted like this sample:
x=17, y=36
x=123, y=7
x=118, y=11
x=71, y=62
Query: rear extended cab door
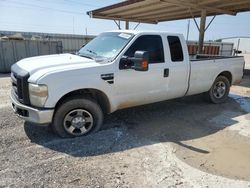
x=177, y=60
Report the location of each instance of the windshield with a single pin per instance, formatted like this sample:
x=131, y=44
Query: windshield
x=106, y=46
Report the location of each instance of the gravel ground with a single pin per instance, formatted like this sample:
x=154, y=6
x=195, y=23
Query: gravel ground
x=178, y=143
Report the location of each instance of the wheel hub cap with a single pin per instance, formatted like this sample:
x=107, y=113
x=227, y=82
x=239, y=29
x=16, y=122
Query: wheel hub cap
x=78, y=122
x=219, y=89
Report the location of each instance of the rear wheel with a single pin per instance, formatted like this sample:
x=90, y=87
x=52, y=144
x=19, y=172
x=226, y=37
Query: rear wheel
x=77, y=117
x=219, y=90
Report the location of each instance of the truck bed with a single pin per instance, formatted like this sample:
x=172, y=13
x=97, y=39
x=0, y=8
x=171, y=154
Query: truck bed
x=204, y=70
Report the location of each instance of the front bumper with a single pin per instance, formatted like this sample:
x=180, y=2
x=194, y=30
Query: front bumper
x=39, y=116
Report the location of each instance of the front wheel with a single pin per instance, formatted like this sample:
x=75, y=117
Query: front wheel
x=219, y=91
x=77, y=117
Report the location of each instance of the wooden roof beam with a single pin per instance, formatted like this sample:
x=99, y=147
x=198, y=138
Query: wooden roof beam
x=236, y=5
x=124, y=19
x=170, y=14
x=157, y=12
x=180, y=17
x=147, y=9
x=204, y=2
x=131, y=5
x=200, y=7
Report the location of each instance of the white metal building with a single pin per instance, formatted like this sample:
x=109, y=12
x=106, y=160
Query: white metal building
x=240, y=43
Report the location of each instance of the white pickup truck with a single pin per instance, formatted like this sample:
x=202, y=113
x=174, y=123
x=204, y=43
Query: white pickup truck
x=116, y=70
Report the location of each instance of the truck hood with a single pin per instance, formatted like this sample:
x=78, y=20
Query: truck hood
x=54, y=62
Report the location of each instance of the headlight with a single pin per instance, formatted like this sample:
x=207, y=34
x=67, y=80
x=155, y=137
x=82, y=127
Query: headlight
x=38, y=94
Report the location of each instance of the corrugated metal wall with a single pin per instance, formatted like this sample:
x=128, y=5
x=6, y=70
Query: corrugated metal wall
x=70, y=43
x=12, y=51
x=37, y=44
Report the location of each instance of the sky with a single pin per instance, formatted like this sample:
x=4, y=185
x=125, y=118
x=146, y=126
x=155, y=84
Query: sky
x=69, y=17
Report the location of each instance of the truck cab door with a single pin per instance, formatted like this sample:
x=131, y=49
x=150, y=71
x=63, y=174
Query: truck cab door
x=134, y=88
x=177, y=60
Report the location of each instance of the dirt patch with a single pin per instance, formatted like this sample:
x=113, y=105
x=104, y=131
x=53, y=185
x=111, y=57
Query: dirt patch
x=228, y=155
x=228, y=150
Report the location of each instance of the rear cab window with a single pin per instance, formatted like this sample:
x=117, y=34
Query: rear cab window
x=175, y=47
x=150, y=43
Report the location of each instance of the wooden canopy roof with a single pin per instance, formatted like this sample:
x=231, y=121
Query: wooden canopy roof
x=154, y=11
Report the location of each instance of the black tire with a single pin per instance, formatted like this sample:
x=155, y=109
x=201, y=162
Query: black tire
x=70, y=108
x=216, y=97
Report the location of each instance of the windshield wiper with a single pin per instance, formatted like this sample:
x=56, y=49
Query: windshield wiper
x=85, y=56
x=91, y=51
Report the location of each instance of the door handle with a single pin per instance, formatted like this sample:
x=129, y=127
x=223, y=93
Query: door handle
x=166, y=73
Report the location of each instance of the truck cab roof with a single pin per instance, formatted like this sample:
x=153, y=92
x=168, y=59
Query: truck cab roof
x=153, y=32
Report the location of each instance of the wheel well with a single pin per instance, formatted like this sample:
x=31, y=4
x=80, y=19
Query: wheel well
x=228, y=75
x=100, y=97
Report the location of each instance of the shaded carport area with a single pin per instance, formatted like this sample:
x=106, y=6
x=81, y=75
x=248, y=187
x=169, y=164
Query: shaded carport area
x=155, y=11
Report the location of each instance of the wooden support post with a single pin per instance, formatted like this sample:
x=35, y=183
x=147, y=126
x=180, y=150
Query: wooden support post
x=188, y=26
x=127, y=25
x=202, y=30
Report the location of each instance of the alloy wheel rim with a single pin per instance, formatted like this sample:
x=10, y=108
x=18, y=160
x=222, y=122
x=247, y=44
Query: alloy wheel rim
x=219, y=89
x=78, y=122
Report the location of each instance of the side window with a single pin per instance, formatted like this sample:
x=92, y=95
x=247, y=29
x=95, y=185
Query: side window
x=175, y=48
x=150, y=43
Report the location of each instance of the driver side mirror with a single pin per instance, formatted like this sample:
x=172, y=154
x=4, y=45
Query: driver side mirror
x=139, y=62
